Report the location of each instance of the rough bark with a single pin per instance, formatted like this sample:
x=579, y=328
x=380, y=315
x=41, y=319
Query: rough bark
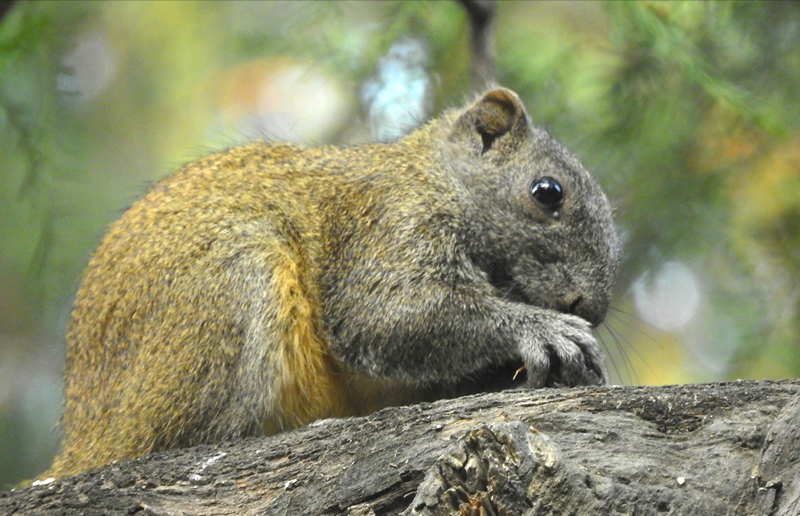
x=716, y=449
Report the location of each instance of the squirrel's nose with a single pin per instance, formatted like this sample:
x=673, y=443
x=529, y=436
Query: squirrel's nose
x=584, y=307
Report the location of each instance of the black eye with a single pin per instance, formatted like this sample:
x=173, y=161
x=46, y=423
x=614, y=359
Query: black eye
x=548, y=193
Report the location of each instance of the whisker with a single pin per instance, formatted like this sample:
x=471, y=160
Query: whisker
x=649, y=336
x=624, y=370
x=618, y=313
x=629, y=345
x=623, y=345
x=610, y=355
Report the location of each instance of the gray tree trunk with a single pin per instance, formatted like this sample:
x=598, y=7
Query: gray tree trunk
x=715, y=449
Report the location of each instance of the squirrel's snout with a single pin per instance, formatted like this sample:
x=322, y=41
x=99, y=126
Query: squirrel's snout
x=584, y=307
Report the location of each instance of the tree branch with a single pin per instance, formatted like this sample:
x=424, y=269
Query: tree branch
x=691, y=449
x=5, y=7
x=481, y=17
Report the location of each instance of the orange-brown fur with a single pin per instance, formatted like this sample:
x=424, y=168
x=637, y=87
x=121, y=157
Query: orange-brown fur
x=193, y=222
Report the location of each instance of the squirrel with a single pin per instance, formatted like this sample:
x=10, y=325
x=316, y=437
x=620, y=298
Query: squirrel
x=270, y=285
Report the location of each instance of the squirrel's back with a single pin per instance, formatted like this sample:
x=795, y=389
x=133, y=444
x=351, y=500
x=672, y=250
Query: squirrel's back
x=214, y=276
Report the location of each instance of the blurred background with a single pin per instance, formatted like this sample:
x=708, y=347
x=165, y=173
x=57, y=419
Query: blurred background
x=688, y=112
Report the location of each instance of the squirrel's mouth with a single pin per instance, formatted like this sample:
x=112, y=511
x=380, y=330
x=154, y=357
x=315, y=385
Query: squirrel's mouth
x=507, y=287
x=512, y=374
x=511, y=290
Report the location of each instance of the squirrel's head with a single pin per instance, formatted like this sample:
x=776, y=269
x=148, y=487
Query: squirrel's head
x=542, y=228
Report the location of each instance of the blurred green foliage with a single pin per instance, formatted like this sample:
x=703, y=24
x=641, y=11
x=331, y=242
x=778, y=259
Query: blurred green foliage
x=689, y=113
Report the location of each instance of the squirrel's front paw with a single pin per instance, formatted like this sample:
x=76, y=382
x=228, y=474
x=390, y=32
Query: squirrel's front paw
x=563, y=352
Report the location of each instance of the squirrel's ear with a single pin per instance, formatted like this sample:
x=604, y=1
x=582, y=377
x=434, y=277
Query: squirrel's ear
x=496, y=113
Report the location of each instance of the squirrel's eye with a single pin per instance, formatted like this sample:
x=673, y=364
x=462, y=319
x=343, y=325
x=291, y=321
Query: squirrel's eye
x=548, y=193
